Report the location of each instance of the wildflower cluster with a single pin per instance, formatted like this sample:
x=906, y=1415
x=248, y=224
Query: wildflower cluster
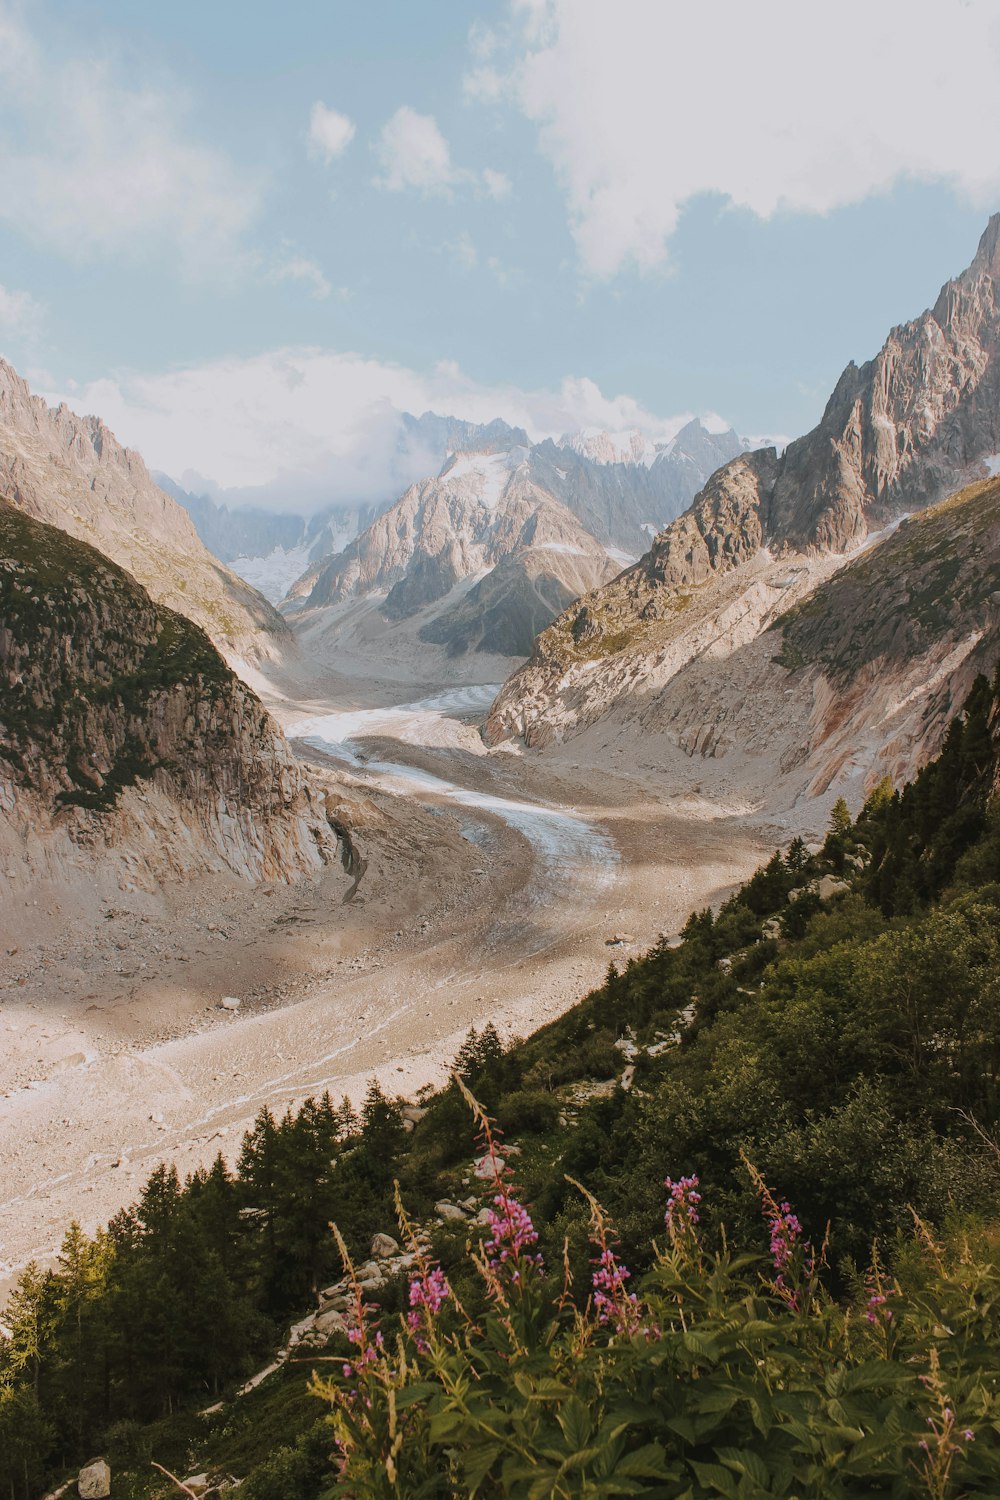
x=511, y=1233
x=785, y=1231
x=616, y=1307
x=682, y=1206
x=428, y=1293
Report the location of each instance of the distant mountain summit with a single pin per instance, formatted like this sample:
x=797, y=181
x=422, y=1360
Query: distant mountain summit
x=271, y=548
x=899, y=433
x=504, y=536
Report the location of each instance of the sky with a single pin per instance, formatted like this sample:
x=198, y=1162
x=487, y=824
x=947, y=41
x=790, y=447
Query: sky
x=246, y=234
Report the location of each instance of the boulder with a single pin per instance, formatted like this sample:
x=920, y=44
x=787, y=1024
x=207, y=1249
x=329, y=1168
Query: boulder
x=298, y=1331
x=383, y=1246
x=829, y=885
x=484, y=1167
x=230, y=1002
x=627, y=1076
x=446, y=1210
x=328, y=1323
x=94, y=1481
x=771, y=929
x=413, y=1113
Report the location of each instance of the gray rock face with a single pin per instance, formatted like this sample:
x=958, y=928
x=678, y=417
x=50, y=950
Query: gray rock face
x=71, y=472
x=898, y=434
x=536, y=526
x=107, y=697
x=94, y=1482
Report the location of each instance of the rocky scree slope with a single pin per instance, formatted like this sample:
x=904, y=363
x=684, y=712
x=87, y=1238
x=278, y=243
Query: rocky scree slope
x=810, y=678
x=899, y=433
x=122, y=729
x=72, y=472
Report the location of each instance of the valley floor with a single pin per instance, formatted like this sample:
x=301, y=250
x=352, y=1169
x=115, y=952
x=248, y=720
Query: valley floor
x=494, y=884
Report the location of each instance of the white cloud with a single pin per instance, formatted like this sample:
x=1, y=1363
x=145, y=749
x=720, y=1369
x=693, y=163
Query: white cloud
x=413, y=153
x=496, y=184
x=643, y=105
x=93, y=161
x=297, y=428
x=330, y=132
x=300, y=268
x=19, y=312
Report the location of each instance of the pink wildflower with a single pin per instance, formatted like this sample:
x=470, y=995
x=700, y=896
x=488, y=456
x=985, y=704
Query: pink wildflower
x=511, y=1232
x=428, y=1294
x=682, y=1204
x=615, y=1305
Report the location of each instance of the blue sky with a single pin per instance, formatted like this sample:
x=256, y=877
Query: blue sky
x=567, y=212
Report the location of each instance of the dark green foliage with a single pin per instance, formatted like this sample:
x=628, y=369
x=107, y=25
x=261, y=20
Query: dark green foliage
x=89, y=659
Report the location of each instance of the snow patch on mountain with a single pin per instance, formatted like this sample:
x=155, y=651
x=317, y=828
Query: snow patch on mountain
x=274, y=574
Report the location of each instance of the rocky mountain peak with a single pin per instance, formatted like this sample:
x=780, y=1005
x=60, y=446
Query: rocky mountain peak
x=72, y=472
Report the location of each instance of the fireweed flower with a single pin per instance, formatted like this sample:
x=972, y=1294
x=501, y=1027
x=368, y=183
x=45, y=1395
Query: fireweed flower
x=511, y=1234
x=616, y=1307
x=788, y=1249
x=876, y=1305
x=682, y=1205
x=428, y=1294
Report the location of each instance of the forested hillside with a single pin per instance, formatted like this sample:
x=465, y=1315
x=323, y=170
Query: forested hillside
x=813, y=1070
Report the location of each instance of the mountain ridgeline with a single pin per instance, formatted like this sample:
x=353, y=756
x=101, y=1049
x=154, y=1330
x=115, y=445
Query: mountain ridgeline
x=486, y=552
x=73, y=473
x=681, y=645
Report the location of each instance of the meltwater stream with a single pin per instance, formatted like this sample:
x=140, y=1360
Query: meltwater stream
x=570, y=853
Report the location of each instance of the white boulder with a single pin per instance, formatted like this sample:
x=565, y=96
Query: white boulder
x=94, y=1481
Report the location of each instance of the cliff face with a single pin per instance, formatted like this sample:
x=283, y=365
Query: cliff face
x=899, y=433
x=122, y=727
x=72, y=472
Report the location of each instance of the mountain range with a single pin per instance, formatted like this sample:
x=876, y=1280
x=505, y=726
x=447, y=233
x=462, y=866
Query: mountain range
x=484, y=553
x=753, y=627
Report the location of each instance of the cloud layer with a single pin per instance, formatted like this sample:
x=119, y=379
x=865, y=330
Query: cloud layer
x=92, y=163
x=299, y=428
x=643, y=105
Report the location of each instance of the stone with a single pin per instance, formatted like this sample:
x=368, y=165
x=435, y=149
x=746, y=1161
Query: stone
x=230, y=1002
x=383, y=1246
x=829, y=885
x=94, y=1481
x=328, y=1323
x=446, y=1210
x=413, y=1113
x=484, y=1168
x=627, y=1077
x=771, y=930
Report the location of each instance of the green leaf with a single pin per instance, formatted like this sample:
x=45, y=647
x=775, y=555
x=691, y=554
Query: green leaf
x=648, y=1462
x=701, y=1345
x=745, y=1461
x=715, y=1479
x=575, y=1421
x=477, y=1463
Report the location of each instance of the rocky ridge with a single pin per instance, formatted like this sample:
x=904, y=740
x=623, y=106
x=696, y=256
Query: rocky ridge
x=512, y=535
x=898, y=433
x=72, y=472
x=126, y=743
